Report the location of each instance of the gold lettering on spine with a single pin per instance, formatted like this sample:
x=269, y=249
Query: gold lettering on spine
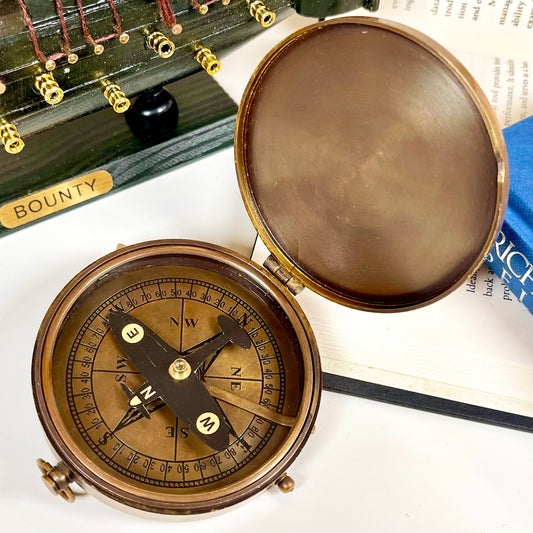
x=55, y=198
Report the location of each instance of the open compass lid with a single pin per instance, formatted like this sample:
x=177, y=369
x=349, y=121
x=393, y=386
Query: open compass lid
x=371, y=163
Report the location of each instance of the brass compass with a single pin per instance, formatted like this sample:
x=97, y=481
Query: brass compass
x=175, y=377
x=179, y=377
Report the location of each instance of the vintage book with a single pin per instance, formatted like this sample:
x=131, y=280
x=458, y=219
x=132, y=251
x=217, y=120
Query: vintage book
x=469, y=355
x=512, y=256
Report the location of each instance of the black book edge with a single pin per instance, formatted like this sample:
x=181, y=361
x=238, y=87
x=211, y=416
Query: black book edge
x=425, y=402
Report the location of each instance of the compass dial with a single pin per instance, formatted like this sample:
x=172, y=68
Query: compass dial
x=108, y=421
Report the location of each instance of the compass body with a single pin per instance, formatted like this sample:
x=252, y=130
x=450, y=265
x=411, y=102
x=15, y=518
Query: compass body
x=268, y=391
x=178, y=377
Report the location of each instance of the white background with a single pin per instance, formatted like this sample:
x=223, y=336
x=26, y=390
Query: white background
x=370, y=467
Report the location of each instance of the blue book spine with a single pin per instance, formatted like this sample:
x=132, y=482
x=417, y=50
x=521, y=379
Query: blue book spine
x=511, y=258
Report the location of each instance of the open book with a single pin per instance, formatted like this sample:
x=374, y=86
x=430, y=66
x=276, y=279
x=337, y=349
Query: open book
x=492, y=38
x=470, y=354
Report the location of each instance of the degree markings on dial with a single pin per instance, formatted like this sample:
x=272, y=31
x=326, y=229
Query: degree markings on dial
x=118, y=449
x=244, y=309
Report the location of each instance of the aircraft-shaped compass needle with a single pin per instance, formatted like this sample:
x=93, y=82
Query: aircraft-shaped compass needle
x=171, y=376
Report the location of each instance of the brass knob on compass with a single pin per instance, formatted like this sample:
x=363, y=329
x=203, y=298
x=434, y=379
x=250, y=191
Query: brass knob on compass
x=285, y=483
x=49, y=88
x=261, y=13
x=57, y=479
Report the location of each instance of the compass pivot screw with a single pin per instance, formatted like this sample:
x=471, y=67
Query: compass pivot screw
x=57, y=479
x=261, y=13
x=116, y=98
x=285, y=483
x=49, y=89
x=161, y=44
x=208, y=60
x=10, y=137
x=179, y=369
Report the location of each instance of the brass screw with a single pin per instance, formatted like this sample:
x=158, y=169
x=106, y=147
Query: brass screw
x=72, y=58
x=160, y=44
x=203, y=9
x=261, y=13
x=2, y=87
x=11, y=140
x=179, y=369
x=208, y=60
x=116, y=98
x=50, y=65
x=57, y=479
x=98, y=49
x=225, y=2
x=123, y=38
x=49, y=89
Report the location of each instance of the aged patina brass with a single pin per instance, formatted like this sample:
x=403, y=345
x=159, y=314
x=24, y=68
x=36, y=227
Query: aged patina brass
x=269, y=392
x=371, y=163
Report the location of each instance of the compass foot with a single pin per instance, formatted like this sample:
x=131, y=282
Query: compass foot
x=285, y=483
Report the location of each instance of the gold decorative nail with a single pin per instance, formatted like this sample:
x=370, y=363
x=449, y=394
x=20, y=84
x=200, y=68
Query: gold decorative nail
x=261, y=13
x=116, y=98
x=49, y=89
x=208, y=60
x=10, y=137
x=161, y=44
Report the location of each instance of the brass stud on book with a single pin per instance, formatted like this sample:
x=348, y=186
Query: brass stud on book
x=208, y=60
x=49, y=89
x=116, y=97
x=161, y=44
x=10, y=137
x=261, y=13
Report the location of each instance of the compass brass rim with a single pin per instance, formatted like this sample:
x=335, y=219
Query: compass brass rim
x=259, y=208
x=103, y=484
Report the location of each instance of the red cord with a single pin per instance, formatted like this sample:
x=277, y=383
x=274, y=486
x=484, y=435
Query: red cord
x=59, y=9
x=84, y=28
x=31, y=29
x=166, y=13
x=196, y=5
x=116, y=16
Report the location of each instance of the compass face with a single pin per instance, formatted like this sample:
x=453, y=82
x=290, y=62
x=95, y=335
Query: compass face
x=111, y=422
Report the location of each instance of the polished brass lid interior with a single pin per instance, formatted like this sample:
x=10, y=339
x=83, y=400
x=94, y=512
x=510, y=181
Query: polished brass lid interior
x=370, y=162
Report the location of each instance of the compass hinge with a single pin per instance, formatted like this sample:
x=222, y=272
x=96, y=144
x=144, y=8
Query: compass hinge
x=287, y=278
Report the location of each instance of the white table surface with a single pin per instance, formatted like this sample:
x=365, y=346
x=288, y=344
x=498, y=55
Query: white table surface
x=370, y=467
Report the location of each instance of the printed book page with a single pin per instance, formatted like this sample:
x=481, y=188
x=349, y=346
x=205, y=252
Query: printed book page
x=492, y=38
x=501, y=28
x=474, y=346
